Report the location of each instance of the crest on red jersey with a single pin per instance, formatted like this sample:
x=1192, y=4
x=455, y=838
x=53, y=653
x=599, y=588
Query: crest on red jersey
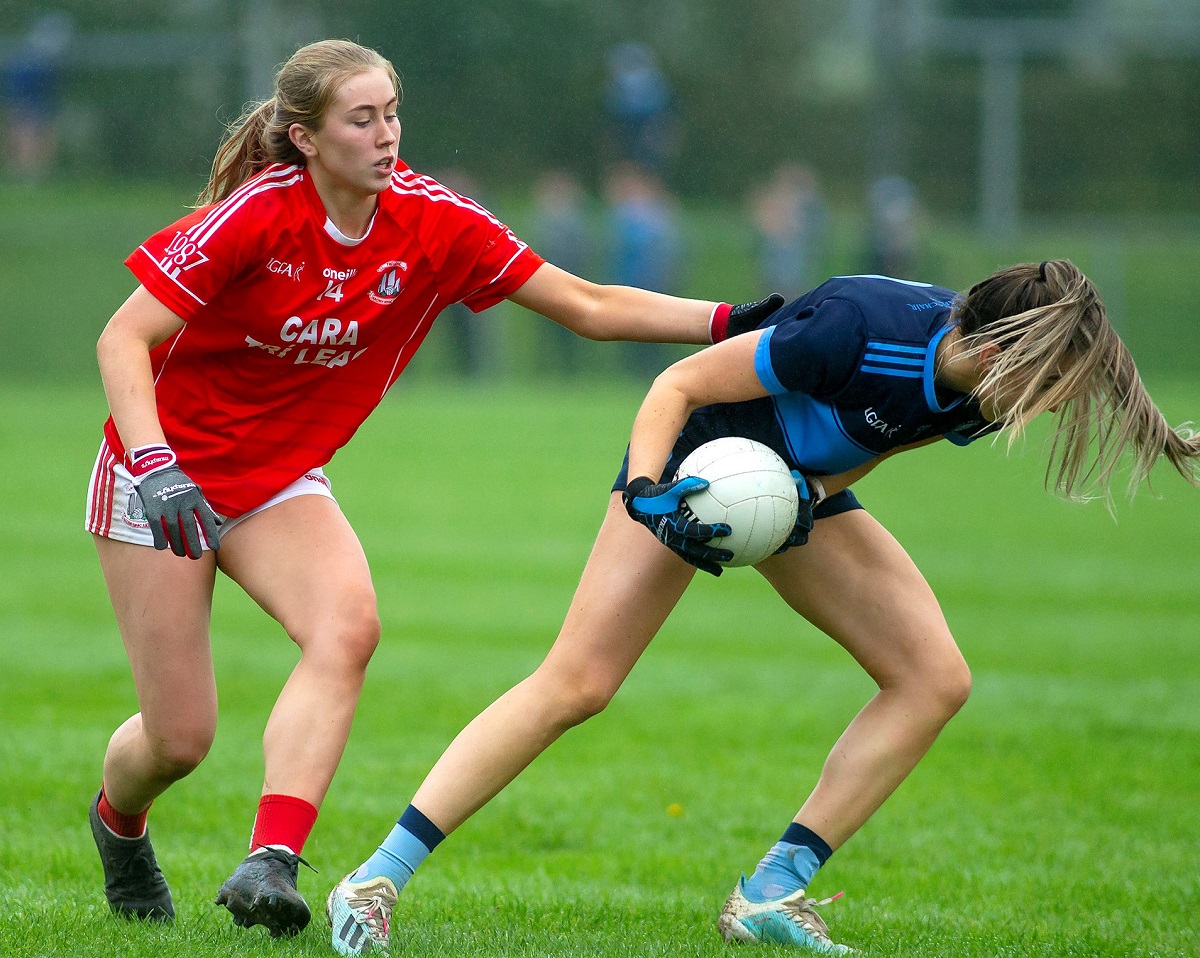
x=391, y=280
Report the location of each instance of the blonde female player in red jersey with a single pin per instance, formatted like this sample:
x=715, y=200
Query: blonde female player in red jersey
x=268, y=324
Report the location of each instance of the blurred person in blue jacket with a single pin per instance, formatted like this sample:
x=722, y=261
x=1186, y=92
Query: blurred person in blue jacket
x=32, y=93
x=645, y=248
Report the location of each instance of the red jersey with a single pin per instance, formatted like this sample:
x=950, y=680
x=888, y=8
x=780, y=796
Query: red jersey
x=294, y=332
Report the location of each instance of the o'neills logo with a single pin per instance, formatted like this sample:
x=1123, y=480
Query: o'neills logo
x=390, y=282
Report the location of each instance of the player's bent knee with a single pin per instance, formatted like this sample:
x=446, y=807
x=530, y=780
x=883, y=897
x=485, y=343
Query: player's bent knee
x=348, y=639
x=575, y=698
x=179, y=754
x=362, y=634
x=937, y=684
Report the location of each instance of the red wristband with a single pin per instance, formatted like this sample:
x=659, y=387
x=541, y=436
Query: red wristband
x=147, y=459
x=718, y=322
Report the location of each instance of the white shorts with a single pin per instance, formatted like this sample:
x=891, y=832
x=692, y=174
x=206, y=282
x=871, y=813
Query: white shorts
x=114, y=509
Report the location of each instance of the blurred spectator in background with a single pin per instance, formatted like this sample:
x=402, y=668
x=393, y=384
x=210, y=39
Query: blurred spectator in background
x=560, y=233
x=640, y=109
x=473, y=340
x=644, y=247
x=790, y=220
x=893, y=227
x=32, y=91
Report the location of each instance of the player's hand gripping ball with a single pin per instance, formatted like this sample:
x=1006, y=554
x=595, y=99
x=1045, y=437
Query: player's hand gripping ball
x=662, y=508
x=751, y=490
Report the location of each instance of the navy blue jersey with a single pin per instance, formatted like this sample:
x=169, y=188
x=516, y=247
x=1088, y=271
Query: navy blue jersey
x=849, y=367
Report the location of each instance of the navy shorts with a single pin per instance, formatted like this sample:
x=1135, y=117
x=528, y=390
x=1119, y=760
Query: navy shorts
x=713, y=422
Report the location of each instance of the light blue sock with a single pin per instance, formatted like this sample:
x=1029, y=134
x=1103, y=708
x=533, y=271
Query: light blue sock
x=401, y=854
x=789, y=866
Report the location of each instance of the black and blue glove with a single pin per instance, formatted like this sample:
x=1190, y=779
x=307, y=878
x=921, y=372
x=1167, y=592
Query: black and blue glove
x=804, y=515
x=661, y=509
x=177, y=511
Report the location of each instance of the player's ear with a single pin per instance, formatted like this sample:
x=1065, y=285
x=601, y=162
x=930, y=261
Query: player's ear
x=301, y=138
x=986, y=356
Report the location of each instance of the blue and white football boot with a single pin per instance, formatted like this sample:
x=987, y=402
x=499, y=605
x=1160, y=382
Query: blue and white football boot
x=360, y=914
x=790, y=920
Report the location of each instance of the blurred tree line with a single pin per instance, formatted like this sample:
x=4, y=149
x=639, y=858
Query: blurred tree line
x=508, y=88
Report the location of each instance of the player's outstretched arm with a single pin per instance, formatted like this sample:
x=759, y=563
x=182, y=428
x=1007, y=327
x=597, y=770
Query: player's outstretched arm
x=610, y=313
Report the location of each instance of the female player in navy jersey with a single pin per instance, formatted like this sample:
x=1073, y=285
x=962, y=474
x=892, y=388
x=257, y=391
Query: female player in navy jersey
x=858, y=369
x=267, y=326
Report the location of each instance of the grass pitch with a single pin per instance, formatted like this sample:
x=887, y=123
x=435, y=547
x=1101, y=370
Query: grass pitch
x=1056, y=816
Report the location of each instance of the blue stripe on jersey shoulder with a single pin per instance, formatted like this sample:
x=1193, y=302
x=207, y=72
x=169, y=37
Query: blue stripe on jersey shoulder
x=762, y=364
x=888, y=371
x=874, y=357
x=896, y=348
x=894, y=359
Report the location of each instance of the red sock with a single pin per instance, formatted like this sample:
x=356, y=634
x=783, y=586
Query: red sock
x=283, y=820
x=127, y=826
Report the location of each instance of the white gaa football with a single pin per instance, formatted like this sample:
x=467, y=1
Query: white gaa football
x=750, y=488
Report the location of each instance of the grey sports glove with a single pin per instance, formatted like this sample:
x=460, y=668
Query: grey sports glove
x=175, y=508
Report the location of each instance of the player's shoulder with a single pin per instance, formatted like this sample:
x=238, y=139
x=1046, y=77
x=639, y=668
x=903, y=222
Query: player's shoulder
x=870, y=290
x=419, y=195
x=264, y=203
x=827, y=306
x=890, y=307
x=280, y=184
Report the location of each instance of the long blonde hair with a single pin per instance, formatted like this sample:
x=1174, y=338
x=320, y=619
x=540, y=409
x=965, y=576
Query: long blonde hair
x=304, y=87
x=1059, y=351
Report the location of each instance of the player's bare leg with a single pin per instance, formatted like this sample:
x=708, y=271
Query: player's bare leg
x=855, y=582
x=629, y=586
x=162, y=604
x=302, y=563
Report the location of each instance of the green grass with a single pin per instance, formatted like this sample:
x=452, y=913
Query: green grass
x=1056, y=816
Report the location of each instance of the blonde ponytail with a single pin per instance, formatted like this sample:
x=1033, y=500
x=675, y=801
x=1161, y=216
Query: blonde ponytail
x=241, y=154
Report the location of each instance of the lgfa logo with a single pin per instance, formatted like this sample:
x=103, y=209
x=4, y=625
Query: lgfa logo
x=390, y=282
